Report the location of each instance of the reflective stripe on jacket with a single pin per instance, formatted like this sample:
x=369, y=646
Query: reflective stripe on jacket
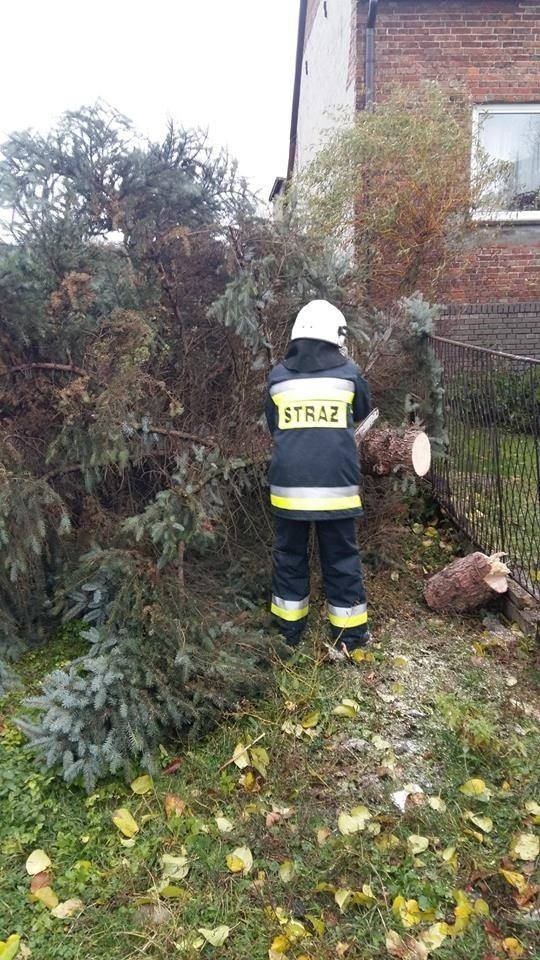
x=315, y=472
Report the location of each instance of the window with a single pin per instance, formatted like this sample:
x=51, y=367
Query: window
x=506, y=151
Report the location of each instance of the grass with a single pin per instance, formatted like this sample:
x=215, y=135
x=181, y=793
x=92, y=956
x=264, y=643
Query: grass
x=438, y=702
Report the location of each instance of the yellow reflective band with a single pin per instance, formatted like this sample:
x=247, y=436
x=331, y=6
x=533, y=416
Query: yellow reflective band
x=345, y=622
x=297, y=413
x=289, y=614
x=345, y=617
x=315, y=503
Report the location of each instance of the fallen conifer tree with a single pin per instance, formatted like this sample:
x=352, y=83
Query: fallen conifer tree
x=142, y=302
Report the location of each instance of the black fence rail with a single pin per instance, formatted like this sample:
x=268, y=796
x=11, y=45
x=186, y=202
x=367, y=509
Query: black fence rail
x=490, y=481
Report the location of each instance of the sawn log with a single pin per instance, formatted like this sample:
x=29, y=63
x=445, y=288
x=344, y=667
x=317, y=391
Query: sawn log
x=385, y=451
x=466, y=583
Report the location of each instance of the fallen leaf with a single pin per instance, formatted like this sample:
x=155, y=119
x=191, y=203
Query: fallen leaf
x=173, y=766
x=174, y=867
x=516, y=879
x=410, y=913
x=278, y=947
x=434, y=936
x=481, y=908
x=379, y=742
x=322, y=835
x=310, y=720
x=224, y=825
x=67, y=908
x=347, y=708
x=476, y=788
x=286, y=871
x=170, y=891
x=484, y=823
x=174, y=806
x=449, y=856
x=240, y=756
x=406, y=949
x=416, y=843
x=364, y=897
x=260, y=760
x=125, y=822
x=407, y=911
x=362, y=656
x=436, y=803
x=285, y=812
x=387, y=842
x=294, y=930
x=533, y=808
x=240, y=860
x=43, y=879
x=401, y=661
x=142, y=784
x=37, y=862
x=342, y=898
x=354, y=821
x=526, y=846
x=217, y=936
x=400, y=797
x=318, y=925
x=248, y=781
x=462, y=913
x=512, y=947
x=9, y=948
x=46, y=896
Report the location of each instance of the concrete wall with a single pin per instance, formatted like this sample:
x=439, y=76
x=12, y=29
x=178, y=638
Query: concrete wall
x=328, y=83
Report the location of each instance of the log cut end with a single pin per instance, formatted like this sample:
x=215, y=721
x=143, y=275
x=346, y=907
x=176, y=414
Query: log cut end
x=466, y=583
x=421, y=454
x=388, y=451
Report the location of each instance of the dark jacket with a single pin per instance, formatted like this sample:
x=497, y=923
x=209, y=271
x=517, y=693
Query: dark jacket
x=314, y=399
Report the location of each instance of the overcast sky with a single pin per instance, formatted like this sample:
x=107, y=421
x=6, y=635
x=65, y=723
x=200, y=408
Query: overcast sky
x=227, y=65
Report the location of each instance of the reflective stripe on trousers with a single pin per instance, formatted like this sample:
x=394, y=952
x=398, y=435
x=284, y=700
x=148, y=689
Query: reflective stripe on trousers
x=291, y=610
x=342, y=575
x=347, y=617
x=315, y=498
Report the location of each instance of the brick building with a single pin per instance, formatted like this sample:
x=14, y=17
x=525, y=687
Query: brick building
x=351, y=53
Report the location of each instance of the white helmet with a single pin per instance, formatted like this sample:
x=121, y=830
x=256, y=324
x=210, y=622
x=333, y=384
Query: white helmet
x=319, y=320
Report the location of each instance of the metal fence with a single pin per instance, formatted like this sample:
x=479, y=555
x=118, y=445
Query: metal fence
x=490, y=481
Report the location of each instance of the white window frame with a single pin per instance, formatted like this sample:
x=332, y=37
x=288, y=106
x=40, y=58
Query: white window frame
x=527, y=216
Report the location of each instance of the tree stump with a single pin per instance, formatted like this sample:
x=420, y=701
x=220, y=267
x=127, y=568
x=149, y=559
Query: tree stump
x=466, y=583
x=384, y=451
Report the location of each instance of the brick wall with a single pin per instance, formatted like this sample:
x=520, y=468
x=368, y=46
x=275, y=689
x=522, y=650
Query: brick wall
x=492, y=45
x=512, y=327
x=493, y=48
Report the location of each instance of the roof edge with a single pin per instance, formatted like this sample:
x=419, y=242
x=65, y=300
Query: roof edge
x=302, y=15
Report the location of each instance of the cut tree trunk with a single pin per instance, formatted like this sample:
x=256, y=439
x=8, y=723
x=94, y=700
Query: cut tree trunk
x=385, y=451
x=466, y=583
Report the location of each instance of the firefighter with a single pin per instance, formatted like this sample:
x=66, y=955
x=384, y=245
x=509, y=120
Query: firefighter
x=315, y=396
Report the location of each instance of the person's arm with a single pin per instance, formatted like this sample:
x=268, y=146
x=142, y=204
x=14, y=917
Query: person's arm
x=362, y=401
x=270, y=413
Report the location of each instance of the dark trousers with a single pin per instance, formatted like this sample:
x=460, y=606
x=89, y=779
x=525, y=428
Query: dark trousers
x=342, y=577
